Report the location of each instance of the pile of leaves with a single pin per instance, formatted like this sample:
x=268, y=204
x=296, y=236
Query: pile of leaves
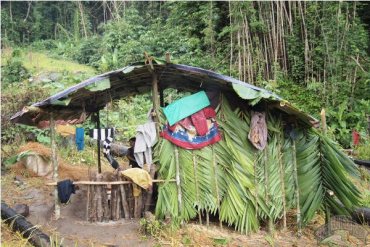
x=246, y=187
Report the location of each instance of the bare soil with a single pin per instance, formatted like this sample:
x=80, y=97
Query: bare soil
x=73, y=229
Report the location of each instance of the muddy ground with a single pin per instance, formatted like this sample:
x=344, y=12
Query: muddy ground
x=73, y=229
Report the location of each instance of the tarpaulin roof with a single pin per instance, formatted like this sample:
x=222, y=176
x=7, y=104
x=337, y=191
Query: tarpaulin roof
x=76, y=103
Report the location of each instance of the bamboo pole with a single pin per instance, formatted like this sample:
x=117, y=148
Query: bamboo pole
x=281, y=168
x=124, y=202
x=54, y=159
x=149, y=194
x=178, y=184
x=216, y=181
x=112, y=183
x=295, y=174
x=196, y=186
x=98, y=141
x=88, y=203
x=323, y=121
x=324, y=131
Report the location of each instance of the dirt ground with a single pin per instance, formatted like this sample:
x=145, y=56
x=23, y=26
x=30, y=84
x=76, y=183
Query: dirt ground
x=73, y=229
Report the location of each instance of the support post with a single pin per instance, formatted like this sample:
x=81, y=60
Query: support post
x=54, y=160
x=98, y=141
x=178, y=182
x=155, y=98
x=161, y=96
x=323, y=121
x=324, y=131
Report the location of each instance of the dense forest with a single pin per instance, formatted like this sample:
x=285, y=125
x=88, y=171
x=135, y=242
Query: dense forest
x=314, y=54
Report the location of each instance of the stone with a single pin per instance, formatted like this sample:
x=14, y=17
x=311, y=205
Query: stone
x=22, y=209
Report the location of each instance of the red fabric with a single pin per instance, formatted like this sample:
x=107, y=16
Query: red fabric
x=186, y=123
x=200, y=122
x=209, y=112
x=355, y=137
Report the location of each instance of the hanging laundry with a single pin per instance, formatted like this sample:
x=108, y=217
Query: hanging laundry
x=185, y=107
x=194, y=132
x=140, y=177
x=107, y=145
x=80, y=142
x=258, y=130
x=146, y=137
x=104, y=133
x=65, y=130
x=65, y=189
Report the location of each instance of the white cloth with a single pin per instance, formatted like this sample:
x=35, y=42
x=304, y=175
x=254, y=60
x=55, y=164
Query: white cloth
x=146, y=137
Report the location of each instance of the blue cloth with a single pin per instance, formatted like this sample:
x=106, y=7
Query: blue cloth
x=185, y=107
x=80, y=132
x=65, y=189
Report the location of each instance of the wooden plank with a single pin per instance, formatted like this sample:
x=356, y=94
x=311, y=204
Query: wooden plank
x=149, y=194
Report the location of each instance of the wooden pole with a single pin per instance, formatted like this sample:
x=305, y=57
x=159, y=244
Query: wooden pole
x=54, y=160
x=98, y=141
x=324, y=131
x=149, y=194
x=99, y=206
x=178, y=184
x=323, y=121
x=124, y=202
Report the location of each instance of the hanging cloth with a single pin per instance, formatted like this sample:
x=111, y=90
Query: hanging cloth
x=146, y=137
x=258, y=130
x=104, y=133
x=65, y=130
x=140, y=177
x=194, y=132
x=80, y=142
x=65, y=190
x=185, y=107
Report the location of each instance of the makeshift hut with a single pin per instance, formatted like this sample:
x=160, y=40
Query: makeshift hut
x=269, y=160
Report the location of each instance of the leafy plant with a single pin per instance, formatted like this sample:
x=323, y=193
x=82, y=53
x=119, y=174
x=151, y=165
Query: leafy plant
x=14, y=71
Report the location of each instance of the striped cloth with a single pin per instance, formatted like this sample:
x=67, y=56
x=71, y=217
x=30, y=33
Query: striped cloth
x=104, y=133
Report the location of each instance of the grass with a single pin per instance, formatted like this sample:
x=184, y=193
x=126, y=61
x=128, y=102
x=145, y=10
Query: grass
x=38, y=62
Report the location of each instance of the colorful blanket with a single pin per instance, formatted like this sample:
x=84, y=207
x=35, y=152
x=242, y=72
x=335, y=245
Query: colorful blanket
x=194, y=132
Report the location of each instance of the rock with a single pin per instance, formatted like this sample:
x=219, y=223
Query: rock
x=22, y=209
x=54, y=76
x=18, y=179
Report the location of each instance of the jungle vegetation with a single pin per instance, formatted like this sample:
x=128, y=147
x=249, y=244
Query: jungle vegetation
x=314, y=54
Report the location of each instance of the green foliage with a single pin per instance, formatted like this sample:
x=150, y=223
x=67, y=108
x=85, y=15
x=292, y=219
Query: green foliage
x=246, y=186
x=363, y=151
x=150, y=227
x=13, y=71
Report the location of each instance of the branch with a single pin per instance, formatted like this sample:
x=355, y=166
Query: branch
x=358, y=64
x=28, y=11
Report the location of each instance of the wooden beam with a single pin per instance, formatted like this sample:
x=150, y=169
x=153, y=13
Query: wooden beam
x=112, y=183
x=54, y=160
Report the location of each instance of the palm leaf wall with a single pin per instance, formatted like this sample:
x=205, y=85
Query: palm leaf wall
x=246, y=187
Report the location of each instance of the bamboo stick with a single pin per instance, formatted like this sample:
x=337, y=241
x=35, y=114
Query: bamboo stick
x=88, y=203
x=93, y=214
x=295, y=174
x=216, y=181
x=111, y=183
x=178, y=184
x=99, y=210
x=196, y=186
x=281, y=166
x=106, y=211
x=124, y=202
x=54, y=160
x=149, y=193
